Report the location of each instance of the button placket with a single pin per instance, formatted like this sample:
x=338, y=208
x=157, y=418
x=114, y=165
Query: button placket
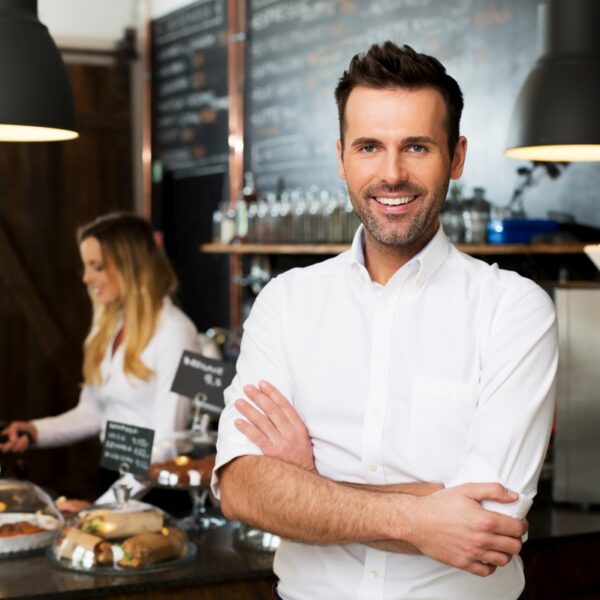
x=373, y=580
x=379, y=387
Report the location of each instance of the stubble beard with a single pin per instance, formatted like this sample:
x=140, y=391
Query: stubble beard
x=391, y=230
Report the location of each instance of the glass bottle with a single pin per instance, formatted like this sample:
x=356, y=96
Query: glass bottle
x=452, y=215
x=476, y=214
x=217, y=222
x=241, y=219
x=285, y=218
x=228, y=225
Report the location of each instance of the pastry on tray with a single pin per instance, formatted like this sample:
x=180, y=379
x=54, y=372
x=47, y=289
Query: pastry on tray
x=183, y=471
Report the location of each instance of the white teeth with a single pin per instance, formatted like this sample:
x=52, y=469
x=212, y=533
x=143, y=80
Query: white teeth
x=394, y=201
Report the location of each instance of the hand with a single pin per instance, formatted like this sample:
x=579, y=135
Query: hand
x=20, y=435
x=452, y=527
x=279, y=432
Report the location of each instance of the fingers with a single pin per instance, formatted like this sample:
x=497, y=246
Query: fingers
x=490, y=491
x=274, y=426
x=283, y=403
x=254, y=435
x=260, y=420
x=507, y=526
x=272, y=408
x=481, y=569
x=17, y=443
x=497, y=559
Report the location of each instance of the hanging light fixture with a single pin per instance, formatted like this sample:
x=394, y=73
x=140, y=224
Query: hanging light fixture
x=36, y=101
x=557, y=114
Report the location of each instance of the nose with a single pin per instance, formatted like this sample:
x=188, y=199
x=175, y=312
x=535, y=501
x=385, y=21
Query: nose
x=86, y=278
x=395, y=170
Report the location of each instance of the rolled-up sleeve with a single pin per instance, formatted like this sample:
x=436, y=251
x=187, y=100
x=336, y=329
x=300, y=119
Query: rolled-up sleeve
x=262, y=357
x=508, y=436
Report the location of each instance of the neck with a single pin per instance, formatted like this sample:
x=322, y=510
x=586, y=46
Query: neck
x=382, y=261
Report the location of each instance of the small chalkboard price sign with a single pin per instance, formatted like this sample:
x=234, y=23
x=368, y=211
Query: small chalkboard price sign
x=127, y=448
x=198, y=374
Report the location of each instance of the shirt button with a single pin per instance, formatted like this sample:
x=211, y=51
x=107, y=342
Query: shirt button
x=374, y=573
x=373, y=468
x=375, y=412
x=379, y=356
x=419, y=285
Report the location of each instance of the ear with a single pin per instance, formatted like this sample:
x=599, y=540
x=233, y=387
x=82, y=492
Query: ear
x=340, y=157
x=458, y=160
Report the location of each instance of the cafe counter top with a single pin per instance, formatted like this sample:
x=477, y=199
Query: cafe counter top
x=219, y=571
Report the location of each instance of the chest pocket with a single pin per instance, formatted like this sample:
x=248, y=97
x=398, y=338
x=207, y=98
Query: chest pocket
x=440, y=414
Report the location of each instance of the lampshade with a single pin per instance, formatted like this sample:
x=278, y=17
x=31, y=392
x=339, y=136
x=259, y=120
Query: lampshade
x=557, y=114
x=36, y=101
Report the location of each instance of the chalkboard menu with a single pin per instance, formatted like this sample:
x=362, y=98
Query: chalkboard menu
x=127, y=448
x=199, y=374
x=297, y=50
x=189, y=88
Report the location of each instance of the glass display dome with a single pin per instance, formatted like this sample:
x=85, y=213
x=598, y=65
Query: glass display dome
x=129, y=537
x=29, y=519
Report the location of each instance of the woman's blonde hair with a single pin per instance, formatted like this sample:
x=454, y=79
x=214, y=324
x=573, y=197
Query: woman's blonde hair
x=144, y=276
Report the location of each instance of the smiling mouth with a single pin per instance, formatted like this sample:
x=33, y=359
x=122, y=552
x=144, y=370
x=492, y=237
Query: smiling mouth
x=394, y=201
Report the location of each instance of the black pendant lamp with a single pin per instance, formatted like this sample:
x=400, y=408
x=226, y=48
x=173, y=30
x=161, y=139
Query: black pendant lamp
x=557, y=114
x=36, y=101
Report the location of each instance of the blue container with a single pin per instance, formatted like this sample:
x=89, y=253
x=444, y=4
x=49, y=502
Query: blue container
x=518, y=231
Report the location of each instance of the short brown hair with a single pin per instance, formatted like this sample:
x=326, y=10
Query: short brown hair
x=389, y=66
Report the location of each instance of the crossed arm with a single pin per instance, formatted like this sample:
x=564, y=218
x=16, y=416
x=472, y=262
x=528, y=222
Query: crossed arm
x=289, y=498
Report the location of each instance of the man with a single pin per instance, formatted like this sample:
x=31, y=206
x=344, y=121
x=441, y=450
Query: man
x=414, y=370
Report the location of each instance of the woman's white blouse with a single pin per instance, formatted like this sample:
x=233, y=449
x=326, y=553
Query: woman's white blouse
x=124, y=399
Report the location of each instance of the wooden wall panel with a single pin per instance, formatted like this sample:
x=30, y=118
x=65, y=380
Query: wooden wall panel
x=46, y=192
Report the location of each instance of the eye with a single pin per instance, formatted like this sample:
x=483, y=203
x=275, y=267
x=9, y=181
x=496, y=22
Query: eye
x=417, y=149
x=369, y=149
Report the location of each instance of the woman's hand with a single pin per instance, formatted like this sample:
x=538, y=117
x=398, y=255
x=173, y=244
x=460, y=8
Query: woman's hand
x=19, y=435
x=279, y=432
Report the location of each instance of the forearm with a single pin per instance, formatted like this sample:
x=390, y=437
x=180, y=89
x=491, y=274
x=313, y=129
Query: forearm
x=417, y=488
x=303, y=506
x=76, y=424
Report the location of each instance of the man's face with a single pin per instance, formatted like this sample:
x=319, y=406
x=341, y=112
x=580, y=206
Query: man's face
x=396, y=162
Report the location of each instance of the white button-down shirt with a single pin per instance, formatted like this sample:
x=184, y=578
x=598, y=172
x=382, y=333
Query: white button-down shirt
x=126, y=399
x=445, y=374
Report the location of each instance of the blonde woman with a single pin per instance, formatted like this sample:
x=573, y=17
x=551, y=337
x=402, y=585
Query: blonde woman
x=134, y=346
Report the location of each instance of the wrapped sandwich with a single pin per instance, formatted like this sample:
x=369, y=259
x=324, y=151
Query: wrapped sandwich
x=150, y=548
x=111, y=525
x=85, y=548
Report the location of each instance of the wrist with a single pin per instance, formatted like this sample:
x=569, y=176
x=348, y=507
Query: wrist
x=398, y=514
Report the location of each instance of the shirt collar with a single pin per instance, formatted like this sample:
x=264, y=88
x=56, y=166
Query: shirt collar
x=428, y=260
x=432, y=256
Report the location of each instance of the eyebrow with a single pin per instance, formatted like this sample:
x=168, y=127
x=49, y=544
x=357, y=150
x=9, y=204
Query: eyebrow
x=414, y=139
x=365, y=141
x=419, y=139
